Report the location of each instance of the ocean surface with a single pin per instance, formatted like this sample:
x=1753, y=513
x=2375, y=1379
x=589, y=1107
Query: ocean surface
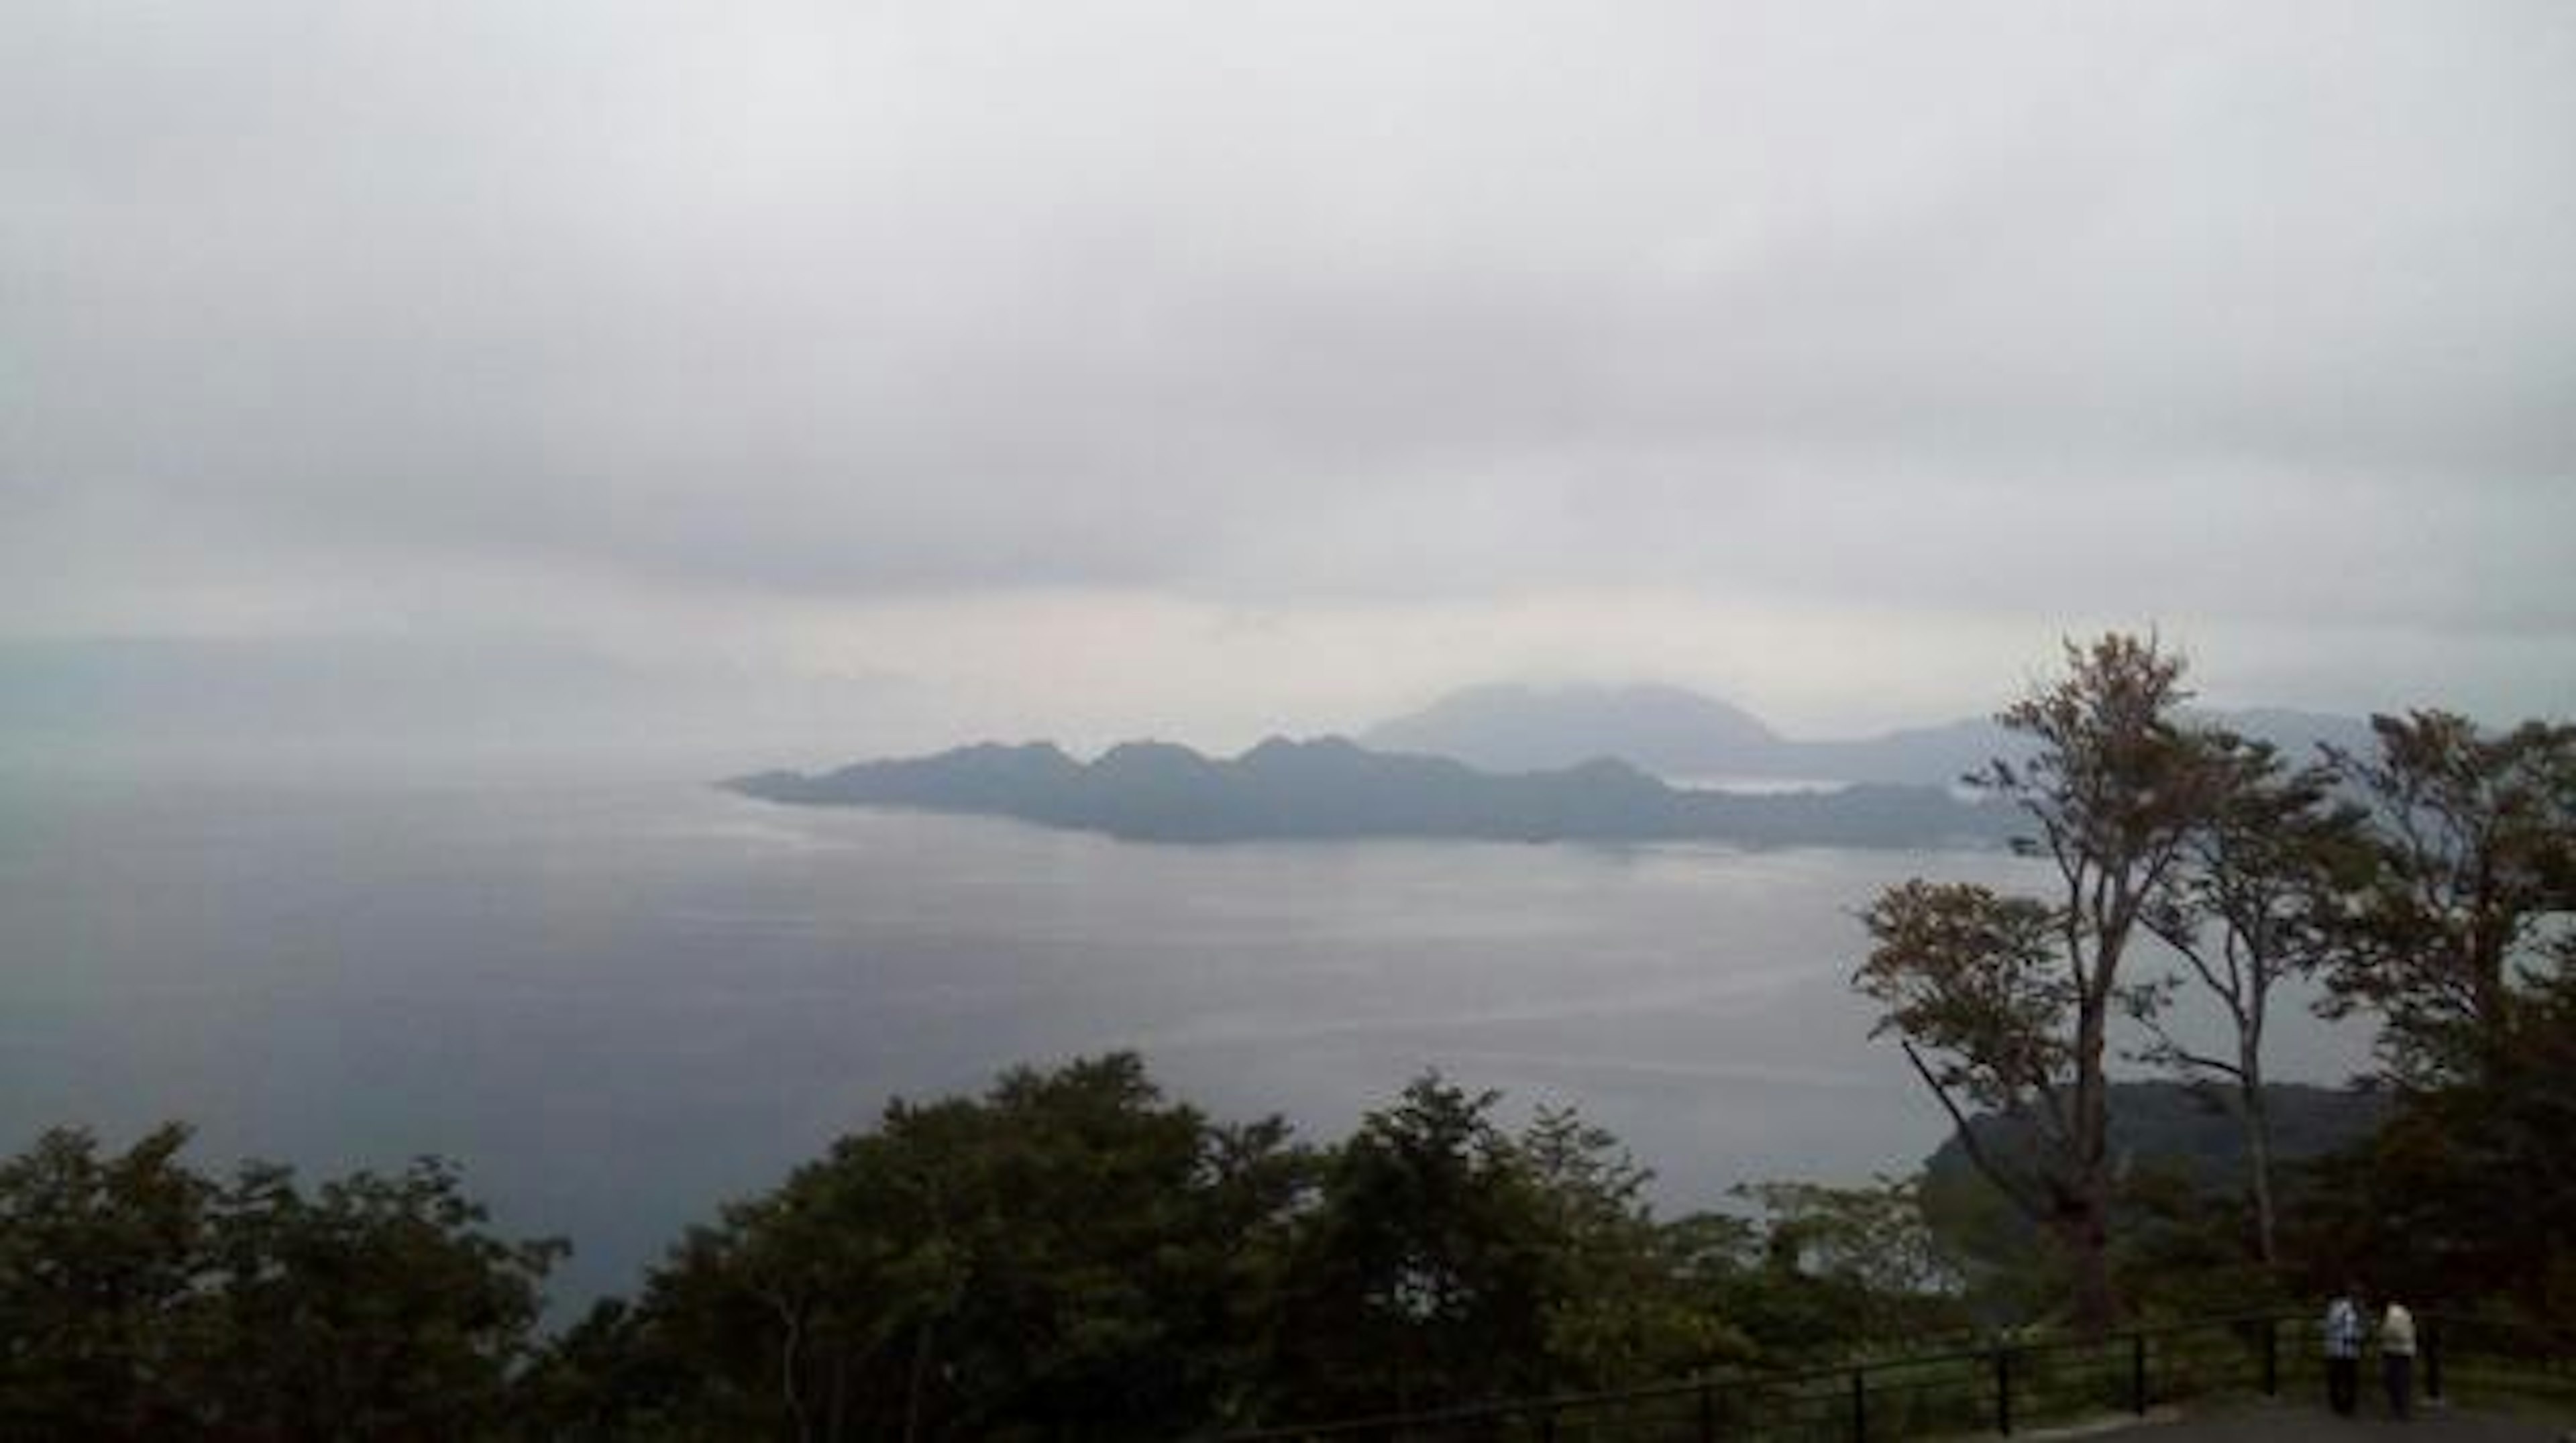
x=620, y=1002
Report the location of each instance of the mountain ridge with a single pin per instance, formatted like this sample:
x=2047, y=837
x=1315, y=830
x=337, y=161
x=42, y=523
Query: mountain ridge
x=1676, y=733
x=1332, y=788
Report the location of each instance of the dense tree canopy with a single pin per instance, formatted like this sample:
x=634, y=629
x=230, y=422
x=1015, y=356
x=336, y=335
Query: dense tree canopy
x=2461, y=940
x=140, y=1298
x=1068, y=1252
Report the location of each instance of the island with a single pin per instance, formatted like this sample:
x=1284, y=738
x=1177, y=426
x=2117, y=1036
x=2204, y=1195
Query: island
x=1333, y=788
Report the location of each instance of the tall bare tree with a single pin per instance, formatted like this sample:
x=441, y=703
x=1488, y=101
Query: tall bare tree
x=2007, y=1002
x=2252, y=904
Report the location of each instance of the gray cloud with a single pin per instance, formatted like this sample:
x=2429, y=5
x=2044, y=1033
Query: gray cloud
x=309, y=313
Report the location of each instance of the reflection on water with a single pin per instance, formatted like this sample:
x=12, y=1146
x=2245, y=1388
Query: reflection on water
x=1759, y=786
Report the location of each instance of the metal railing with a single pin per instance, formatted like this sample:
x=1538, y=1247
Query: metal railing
x=2495, y=1357
x=1995, y=1388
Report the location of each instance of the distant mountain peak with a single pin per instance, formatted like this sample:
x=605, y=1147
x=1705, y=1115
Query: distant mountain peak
x=1016, y=751
x=1279, y=751
x=1678, y=734
x=1508, y=726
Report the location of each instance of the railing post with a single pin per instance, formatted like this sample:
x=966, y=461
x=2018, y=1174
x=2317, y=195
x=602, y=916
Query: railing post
x=2003, y=1390
x=2271, y=1357
x=1707, y=1414
x=1547, y=1424
x=1860, y=1406
x=2432, y=1360
x=2138, y=1373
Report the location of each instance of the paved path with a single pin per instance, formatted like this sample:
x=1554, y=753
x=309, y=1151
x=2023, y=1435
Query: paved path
x=2292, y=1423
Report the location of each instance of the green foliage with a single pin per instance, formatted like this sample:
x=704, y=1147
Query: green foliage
x=1069, y=1255
x=100, y=1260
x=2469, y=1193
x=1451, y=1260
x=1424, y=1274
x=2184, y=1240
x=2469, y=909
x=374, y=1305
x=1871, y=1239
x=1618, y=1311
x=2433, y=884
x=2262, y=876
x=1975, y=992
x=2183, y=1249
x=2256, y=900
x=607, y=1377
x=2006, y=1002
x=2009, y=1274
x=2461, y=938
x=1848, y=1269
x=2117, y=781
x=139, y=1298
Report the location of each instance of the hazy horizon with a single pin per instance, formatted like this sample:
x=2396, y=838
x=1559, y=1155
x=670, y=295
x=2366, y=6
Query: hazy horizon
x=343, y=706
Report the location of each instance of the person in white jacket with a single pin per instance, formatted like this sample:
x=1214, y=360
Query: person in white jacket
x=2397, y=1358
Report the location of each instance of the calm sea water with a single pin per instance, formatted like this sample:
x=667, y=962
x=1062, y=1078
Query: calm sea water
x=620, y=1003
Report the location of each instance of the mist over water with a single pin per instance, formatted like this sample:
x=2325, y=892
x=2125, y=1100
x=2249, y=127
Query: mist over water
x=621, y=1001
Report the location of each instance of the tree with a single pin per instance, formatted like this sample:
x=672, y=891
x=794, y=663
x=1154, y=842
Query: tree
x=2468, y=1195
x=1070, y=1255
x=2475, y=839
x=1616, y=1313
x=1422, y=1278
x=1862, y=1263
x=1450, y=1260
x=100, y=1264
x=1067, y=1255
x=2463, y=940
x=140, y=1298
x=2006, y=1002
x=374, y=1306
x=2253, y=903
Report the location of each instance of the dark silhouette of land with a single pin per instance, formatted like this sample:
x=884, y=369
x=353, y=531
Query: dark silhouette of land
x=1333, y=788
x=2182, y=1128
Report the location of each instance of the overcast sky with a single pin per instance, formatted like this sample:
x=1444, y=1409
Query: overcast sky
x=1204, y=369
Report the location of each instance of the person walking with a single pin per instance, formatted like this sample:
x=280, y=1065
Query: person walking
x=2343, y=1350
x=2397, y=1358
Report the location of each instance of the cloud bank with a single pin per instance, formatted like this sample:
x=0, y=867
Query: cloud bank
x=1205, y=368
